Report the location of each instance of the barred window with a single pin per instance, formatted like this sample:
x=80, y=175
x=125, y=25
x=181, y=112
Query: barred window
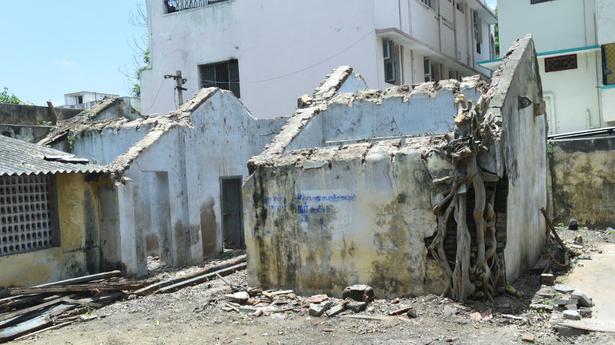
x=27, y=214
x=561, y=63
x=224, y=75
x=608, y=64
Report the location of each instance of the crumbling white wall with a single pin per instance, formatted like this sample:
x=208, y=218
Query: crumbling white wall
x=356, y=214
x=181, y=171
x=400, y=111
x=525, y=155
x=319, y=217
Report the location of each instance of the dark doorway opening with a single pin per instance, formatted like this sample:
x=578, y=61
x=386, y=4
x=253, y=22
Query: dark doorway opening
x=232, y=212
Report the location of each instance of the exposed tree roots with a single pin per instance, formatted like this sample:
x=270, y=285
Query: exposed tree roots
x=476, y=267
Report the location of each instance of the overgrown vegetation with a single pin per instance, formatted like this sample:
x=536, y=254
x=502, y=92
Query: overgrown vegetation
x=136, y=86
x=477, y=267
x=8, y=98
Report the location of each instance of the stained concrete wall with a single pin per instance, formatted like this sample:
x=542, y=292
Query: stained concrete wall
x=19, y=114
x=78, y=215
x=318, y=218
x=399, y=111
x=583, y=180
x=344, y=215
x=524, y=150
x=176, y=172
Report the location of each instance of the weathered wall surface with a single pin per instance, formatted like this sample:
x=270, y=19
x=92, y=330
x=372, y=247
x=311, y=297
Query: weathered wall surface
x=16, y=114
x=358, y=214
x=517, y=83
x=29, y=133
x=583, y=181
x=78, y=214
x=398, y=111
x=173, y=182
x=320, y=217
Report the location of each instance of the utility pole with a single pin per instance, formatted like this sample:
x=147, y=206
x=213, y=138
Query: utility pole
x=179, y=82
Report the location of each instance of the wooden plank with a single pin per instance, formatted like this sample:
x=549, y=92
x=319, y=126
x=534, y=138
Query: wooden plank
x=83, y=279
x=34, y=324
x=28, y=310
x=157, y=286
x=76, y=288
x=203, y=278
x=60, y=325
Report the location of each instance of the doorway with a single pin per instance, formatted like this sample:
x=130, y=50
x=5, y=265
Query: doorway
x=232, y=212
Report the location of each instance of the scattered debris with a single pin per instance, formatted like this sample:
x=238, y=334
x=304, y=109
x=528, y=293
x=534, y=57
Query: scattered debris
x=584, y=300
x=360, y=292
x=572, y=315
x=49, y=306
x=547, y=279
x=528, y=338
x=573, y=224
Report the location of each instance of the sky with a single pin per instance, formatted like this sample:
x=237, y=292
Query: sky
x=492, y=3
x=50, y=48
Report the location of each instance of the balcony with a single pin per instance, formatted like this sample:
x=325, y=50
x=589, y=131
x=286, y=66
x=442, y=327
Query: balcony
x=172, y=6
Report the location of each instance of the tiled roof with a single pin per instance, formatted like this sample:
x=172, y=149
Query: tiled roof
x=18, y=157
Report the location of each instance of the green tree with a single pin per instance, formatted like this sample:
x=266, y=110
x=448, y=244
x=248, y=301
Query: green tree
x=9, y=98
x=145, y=61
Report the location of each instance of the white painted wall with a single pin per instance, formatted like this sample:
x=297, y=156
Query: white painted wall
x=575, y=95
x=571, y=25
x=283, y=47
x=605, y=12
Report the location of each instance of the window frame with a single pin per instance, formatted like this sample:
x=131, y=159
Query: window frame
x=534, y=2
x=606, y=72
x=234, y=85
x=28, y=205
x=561, y=58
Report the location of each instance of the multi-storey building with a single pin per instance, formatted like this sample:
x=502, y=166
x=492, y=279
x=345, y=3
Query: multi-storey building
x=270, y=51
x=575, y=43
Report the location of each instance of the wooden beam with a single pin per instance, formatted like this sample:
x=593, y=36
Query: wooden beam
x=203, y=278
x=157, y=286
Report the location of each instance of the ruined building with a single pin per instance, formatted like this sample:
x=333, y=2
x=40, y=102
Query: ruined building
x=49, y=211
x=429, y=189
x=177, y=190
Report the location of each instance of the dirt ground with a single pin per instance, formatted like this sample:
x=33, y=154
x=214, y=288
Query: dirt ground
x=195, y=316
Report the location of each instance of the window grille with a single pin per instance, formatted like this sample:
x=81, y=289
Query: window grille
x=26, y=220
x=608, y=64
x=171, y=6
x=561, y=63
x=224, y=75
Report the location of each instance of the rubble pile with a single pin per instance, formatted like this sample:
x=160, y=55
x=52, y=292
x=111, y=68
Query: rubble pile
x=563, y=302
x=355, y=299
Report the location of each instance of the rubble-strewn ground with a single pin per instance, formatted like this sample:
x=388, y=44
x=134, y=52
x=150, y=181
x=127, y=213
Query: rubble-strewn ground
x=196, y=316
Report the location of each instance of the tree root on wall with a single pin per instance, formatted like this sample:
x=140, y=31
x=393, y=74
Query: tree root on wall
x=476, y=265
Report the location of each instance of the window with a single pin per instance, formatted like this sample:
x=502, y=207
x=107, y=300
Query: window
x=427, y=69
x=26, y=214
x=608, y=64
x=430, y=3
x=390, y=54
x=532, y=2
x=224, y=75
x=79, y=99
x=561, y=63
x=171, y=6
x=459, y=7
x=478, y=30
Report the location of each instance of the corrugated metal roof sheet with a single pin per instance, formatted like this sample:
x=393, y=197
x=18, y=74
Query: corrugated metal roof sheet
x=18, y=157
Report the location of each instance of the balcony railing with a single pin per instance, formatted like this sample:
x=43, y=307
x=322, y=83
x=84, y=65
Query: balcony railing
x=171, y=6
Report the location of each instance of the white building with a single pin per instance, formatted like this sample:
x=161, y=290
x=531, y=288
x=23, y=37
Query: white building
x=575, y=43
x=268, y=52
x=88, y=99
